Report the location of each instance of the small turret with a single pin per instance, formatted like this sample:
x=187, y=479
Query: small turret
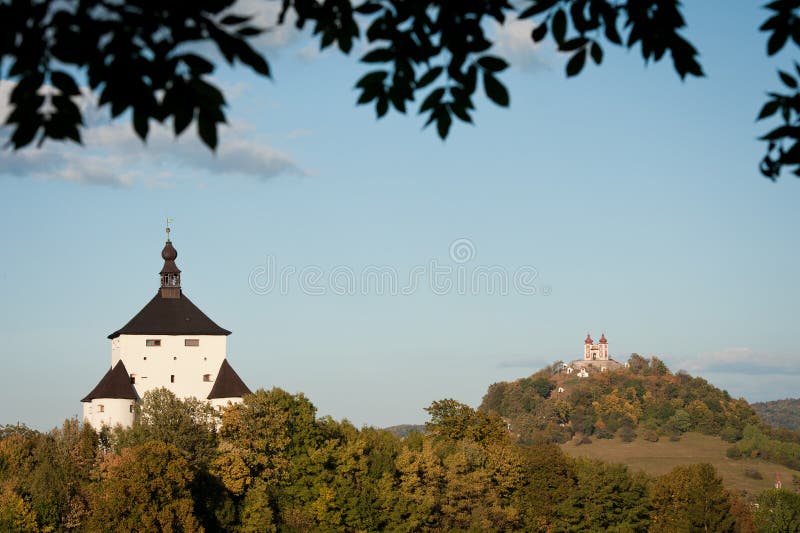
x=170, y=273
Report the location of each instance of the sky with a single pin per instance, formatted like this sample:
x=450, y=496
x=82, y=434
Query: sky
x=375, y=268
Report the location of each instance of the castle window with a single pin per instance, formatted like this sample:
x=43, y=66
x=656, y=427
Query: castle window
x=206, y=377
x=130, y=408
x=145, y=358
x=133, y=379
x=172, y=378
x=152, y=342
x=191, y=342
x=174, y=358
x=101, y=408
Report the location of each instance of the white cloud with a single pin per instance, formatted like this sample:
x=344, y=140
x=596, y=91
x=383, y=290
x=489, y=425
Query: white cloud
x=741, y=360
x=113, y=155
x=512, y=40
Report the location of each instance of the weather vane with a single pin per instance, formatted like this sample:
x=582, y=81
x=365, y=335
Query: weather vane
x=169, y=221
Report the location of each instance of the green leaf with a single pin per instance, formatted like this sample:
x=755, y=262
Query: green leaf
x=375, y=77
x=597, y=53
x=559, y=26
x=207, y=129
x=141, y=123
x=495, y=91
x=776, y=42
x=573, y=44
x=429, y=77
x=493, y=63
x=382, y=106
x=787, y=80
x=249, y=31
x=576, y=62
x=198, y=65
x=769, y=109
x=379, y=55
x=368, y=8
x=64, y=83
x=538, y=7
x=432, y=100
x=443, y=122
x=232, y=20
x=539, y=32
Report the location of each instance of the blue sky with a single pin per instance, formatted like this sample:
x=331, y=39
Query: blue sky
x=634, y=197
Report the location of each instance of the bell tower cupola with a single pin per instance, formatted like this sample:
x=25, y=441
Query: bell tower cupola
x=170, y=273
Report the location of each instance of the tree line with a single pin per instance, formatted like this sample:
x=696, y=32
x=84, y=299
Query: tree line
x=270, y=464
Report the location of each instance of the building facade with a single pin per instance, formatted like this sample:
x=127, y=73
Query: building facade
x=170, y=343
x=595, y=352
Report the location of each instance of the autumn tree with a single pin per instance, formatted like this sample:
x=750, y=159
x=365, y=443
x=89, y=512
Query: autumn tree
x=778, y=510
x=604, y=497
x=144, y=488
x=188, y=424
x=691, y=498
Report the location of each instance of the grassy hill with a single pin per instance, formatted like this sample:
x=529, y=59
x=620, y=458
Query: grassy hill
x=644, y=413
x=780, y=413
x=657, y=458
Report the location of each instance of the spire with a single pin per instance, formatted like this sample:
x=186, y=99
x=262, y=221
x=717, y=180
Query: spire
x=603, y=339
x=588, y=338
x=170, y=273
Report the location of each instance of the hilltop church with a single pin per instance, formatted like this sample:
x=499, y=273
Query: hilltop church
x=170, y=343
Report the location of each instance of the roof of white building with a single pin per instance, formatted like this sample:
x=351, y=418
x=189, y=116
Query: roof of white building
x=228, y=383
x=170, y=316
x=116, y=384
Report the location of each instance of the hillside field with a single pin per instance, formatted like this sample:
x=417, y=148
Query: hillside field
x=656, y=458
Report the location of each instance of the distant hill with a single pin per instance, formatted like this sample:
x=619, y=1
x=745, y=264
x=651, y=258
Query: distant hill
x=403, y=430
x=641, y=402
x=644, y=399
x=780, y=413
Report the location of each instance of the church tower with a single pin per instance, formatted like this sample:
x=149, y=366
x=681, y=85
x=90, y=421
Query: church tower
x=170, y=343
x=595, y=352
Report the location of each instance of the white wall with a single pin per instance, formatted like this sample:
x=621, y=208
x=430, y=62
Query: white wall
x=152, y=366
x=114, y=411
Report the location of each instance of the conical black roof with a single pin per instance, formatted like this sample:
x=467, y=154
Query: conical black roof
x=115, y=384
x=228, y=383
x=170, y=316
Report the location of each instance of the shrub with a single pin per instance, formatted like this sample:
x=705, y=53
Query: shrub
x=650, y=435
x=627, y=434
x=730, y=434
x=733, y=452
x=752, y=473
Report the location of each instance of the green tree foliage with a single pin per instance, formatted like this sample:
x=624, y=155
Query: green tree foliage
x=455, y=421
x=691, y=498
x=189, y=425
x=780, y=413
x=144, y=488
x=759, y=441
x=778, y=510
x=645, y=396
x=273, y=466
x=155, y=64
x=604, y=497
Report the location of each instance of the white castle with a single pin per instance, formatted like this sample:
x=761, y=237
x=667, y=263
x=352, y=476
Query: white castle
x=169, y=343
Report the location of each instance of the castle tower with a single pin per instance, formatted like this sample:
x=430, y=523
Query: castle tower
x=170, y=343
